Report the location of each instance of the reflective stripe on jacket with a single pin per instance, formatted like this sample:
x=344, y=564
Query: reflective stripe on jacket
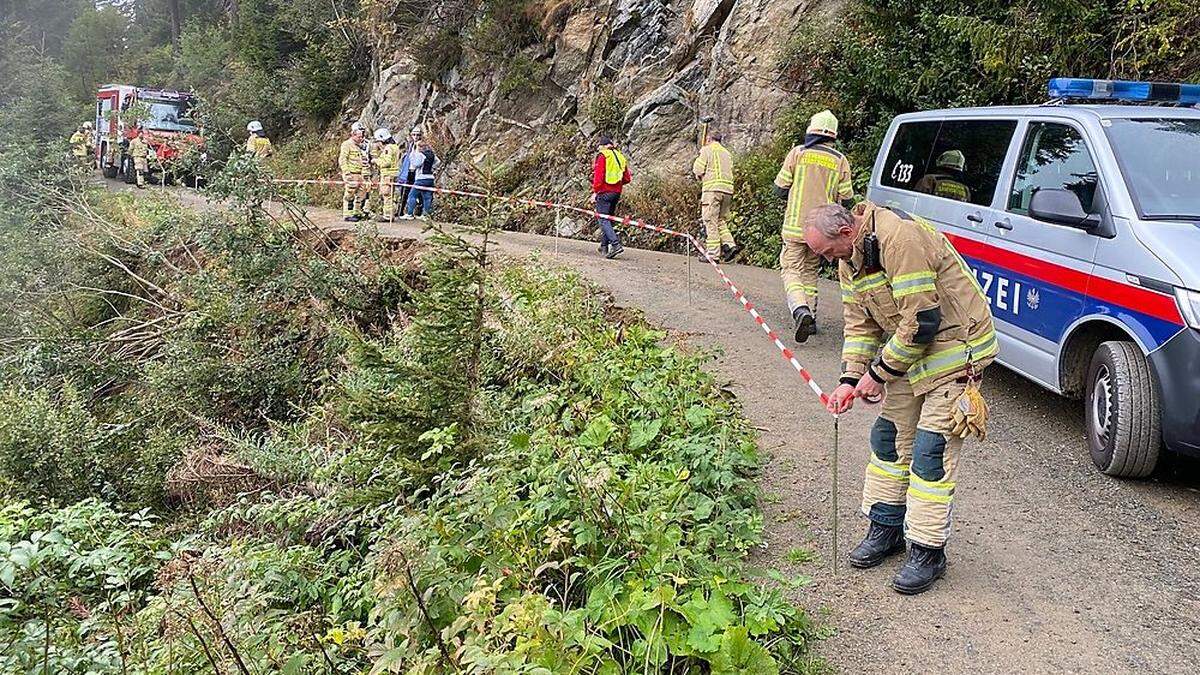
x=388, y=160
x=259, y=146
x=714, y=167
x=888, y=310
x=350, y=158
x=814, y=176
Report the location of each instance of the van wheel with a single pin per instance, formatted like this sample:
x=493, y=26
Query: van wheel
x=1122, y=411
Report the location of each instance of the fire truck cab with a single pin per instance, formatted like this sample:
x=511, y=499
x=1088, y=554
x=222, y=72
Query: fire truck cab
x=164, y=115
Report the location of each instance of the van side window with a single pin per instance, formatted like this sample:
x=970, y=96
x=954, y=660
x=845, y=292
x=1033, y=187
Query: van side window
x=1053, y=156
x=909, y=155
x=954, y=159
x=966, y=160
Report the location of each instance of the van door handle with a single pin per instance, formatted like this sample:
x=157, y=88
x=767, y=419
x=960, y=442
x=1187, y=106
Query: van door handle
x=974, y=217
x=1005, y=224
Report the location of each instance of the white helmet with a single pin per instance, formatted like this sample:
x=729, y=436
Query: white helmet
x=357, y=126
x=382, y=134
x=87, y=125
x=254, y=126
x=416, y=131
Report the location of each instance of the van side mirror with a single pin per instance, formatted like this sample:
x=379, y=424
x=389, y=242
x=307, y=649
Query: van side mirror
x=1056, y=205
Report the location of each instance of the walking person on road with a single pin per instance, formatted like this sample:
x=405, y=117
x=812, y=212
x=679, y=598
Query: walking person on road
x=714, y=169
x=610, y=173
x=420, y=199
x=918, y=335
x=813, y=174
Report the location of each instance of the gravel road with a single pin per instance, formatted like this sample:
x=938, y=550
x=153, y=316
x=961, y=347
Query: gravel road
x=1053, y=566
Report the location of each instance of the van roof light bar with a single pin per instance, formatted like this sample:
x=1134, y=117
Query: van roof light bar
x=1068, y=88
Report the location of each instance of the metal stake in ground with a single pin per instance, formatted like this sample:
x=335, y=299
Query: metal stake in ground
x=687, y=256
x=834, y=494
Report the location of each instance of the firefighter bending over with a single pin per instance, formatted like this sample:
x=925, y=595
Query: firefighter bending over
x=714, y=169
x=919, y=330
x=947, y=181
x=812, y=175
x=353, y=162
x=81, y=144
x=258, y=145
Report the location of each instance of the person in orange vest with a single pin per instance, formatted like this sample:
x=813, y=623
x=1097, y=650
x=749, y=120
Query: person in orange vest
x=610, y=173
x=714, y=169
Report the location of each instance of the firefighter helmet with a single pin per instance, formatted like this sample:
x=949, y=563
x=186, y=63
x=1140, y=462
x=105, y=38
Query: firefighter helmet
x=823, y=123
x=87, y=125
x=382, y=134
x=255, y=126
x=358, y=126
x=952, y=159
x=416, y=131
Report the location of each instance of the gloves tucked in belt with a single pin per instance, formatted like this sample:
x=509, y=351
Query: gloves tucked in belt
x=970, y=413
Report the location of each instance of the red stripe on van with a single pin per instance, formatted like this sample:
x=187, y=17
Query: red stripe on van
x=1128, y=296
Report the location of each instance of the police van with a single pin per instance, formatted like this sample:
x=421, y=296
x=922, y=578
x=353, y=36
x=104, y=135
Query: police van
x=1081, y=220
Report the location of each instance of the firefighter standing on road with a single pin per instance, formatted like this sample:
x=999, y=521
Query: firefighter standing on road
x=714, y=169
x=140, y=153
x=258, y=145
x=81, y=143
x=813, y=174
x=353, y=162
x=387, y=158
x=919, y=329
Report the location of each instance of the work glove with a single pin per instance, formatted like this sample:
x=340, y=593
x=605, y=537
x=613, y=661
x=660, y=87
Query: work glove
x=970, y=413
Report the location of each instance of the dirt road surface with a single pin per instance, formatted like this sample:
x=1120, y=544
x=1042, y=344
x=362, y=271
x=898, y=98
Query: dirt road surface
x=1053, y=566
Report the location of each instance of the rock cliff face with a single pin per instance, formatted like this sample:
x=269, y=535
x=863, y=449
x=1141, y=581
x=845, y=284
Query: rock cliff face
x=660, y=65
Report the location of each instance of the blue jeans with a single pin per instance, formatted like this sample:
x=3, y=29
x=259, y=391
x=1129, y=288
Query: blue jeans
x=426, y=197
x=606, y=203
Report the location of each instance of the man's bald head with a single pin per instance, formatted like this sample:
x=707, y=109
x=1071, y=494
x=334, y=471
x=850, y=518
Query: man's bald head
x=830, y=231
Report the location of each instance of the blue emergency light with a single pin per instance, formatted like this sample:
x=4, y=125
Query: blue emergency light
x=1124, y=90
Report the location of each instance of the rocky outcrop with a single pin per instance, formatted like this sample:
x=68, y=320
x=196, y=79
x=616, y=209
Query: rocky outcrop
x=664, y=64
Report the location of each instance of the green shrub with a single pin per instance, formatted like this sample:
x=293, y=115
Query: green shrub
x=606, y=110
x=522, y=74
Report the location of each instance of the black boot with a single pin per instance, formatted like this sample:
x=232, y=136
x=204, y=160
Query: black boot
x=881, y=542
x=924, y=566
x=728, y=252
x=806, y=323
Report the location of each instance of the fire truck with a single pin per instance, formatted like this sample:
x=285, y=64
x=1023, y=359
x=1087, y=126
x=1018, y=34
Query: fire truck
x=164, y=116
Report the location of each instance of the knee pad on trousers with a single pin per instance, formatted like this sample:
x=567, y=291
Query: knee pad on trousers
x=883, y=440
x=929, y=451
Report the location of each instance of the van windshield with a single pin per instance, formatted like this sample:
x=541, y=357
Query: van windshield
x=1160, y=158
x=169, y=115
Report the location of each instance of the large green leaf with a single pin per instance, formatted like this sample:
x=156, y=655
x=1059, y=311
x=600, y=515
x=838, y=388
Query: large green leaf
x=739, y=655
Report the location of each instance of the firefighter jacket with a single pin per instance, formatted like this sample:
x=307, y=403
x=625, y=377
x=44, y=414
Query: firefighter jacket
x=917, y=312
x=714, y=168
x=351, y=158
x=943, y=185
x=79, y=144
x=259, y=146
x=813, y=176
x=140, y=151
x=387, y=158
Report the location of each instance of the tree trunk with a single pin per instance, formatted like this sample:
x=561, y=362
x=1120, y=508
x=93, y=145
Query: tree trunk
x=176, y=21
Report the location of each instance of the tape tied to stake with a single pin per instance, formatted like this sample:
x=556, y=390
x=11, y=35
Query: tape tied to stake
x=627, y=221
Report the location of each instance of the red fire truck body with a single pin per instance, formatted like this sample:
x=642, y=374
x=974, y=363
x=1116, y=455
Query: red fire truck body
x=168, y=128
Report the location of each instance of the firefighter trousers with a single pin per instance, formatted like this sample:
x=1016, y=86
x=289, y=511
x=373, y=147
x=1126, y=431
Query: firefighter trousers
x=387, y=197
x=355, y=191
x=799, y=267
x=714, y=211
x=910, y=478
x=140, y=168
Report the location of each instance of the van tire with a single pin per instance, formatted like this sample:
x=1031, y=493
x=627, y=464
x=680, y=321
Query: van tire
x=1122, y=411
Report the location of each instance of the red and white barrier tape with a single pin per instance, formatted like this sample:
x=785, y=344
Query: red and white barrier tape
x=627, y=221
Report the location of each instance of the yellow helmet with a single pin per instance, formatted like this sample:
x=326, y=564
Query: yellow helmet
x=823, y=123
x=952, y=159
